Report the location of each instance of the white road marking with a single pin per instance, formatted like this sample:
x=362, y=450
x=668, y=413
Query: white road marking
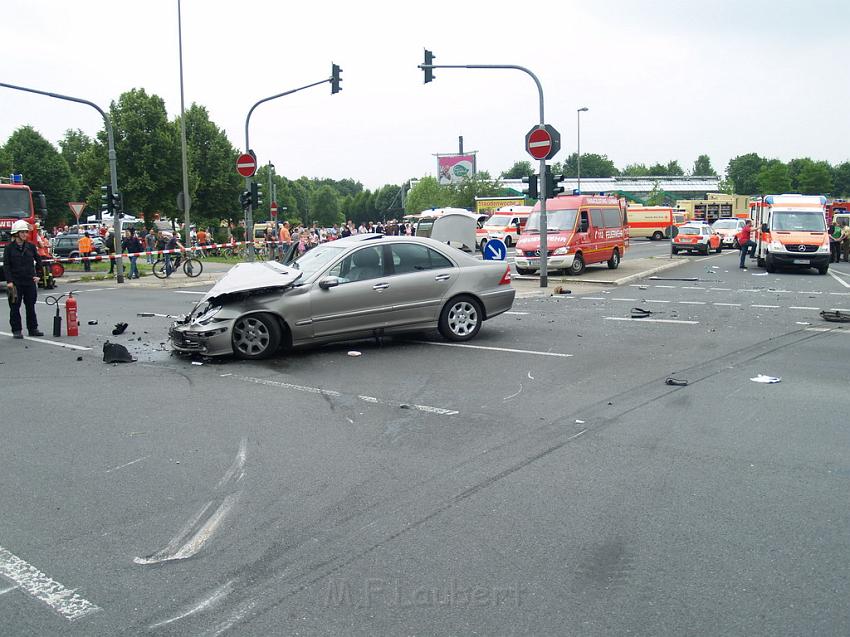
x=497, y=349
x=721, y=289
x=29, y=579
x=516, y=313
x=691, y=287
x=44, y=340
x=823, y=329
x=771, y=307
x=841, y=281
x=649, y=320
x=669, y=287
x=593, y=298
x=370, y=399
x=624, y=299
x=728, y=304
x=802, y=307
x=655, y=301
x=188, y=292
x=692, y=302
x=93, y=290
x=121, y=466
x=840, y=293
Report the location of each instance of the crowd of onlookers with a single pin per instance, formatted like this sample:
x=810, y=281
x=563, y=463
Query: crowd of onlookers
x=839, y=241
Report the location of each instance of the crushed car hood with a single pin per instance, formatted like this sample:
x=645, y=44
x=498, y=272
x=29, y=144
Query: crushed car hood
x=244, y=277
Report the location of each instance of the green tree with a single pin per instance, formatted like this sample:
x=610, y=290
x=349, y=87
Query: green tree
x=670, y=169
x=743, y=172
x=841, y=180
x=816, y=179
x=214, y=185
x=519, y=170
x=703, y=167
x=43, y=169
x=300, y=189
x=795, y=169
x=5, y=162
x=426, y=194
x=324, y=206
x=773, y=177
x=388, y=201
x=481, y=185
x=148, y=150
x=636, y=170
x=592, y=165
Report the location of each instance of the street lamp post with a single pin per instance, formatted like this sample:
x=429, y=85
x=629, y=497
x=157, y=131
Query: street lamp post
x=187, y=200
x=578, y=139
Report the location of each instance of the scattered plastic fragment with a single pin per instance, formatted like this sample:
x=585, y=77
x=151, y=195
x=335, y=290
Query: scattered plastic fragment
x=639, y=312
x=561, y=290
x=92, y=322
x=835, y=316
x=115, y=353
x=677, y=382
x=402, y=406
x=579, y=422
x=802, y=323
x=79, y=358
x=354, y=353
x=119, y=329
x=223, y=375
x=197, y=363
x=530, y=376
x=768, y=380
x=759, y=274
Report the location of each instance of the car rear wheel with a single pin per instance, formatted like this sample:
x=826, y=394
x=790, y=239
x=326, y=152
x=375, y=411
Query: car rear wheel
x=614, y=261
x=255, y=336
x=657, y=236
x=508, y=241
x=706, y=248
x=460, y=319
x=578, y=265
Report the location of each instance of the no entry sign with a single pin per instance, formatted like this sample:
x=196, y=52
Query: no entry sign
x=246, y=165
x=543, y=142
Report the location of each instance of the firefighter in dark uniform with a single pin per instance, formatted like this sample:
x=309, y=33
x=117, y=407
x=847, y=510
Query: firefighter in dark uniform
x=20, y=260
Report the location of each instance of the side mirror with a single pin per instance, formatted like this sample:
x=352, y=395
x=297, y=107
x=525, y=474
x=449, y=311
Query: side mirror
x=764, y=228
x=329, y=282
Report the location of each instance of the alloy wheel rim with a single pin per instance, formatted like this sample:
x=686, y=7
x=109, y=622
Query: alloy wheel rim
x=251, y=336
x=463, y=317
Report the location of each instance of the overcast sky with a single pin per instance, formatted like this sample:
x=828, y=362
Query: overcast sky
x=662, y=79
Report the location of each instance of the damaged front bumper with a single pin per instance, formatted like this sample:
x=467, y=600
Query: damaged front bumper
x=190, y=337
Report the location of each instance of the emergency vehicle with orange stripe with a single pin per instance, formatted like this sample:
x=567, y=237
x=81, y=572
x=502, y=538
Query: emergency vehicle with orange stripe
x=582, y=230
x=654, y=222
x=791, y=231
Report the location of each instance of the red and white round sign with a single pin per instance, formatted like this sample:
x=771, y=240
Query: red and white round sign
x=246, y=165
x=539, y=143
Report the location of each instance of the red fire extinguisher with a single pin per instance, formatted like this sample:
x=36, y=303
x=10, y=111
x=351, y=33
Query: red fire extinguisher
x=71, y=315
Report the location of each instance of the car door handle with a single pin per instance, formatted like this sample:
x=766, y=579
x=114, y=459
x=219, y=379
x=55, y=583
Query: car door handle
x=380, y=286
x=442, y=277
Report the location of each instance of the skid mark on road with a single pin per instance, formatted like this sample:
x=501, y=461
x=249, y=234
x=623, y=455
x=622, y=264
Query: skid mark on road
x=30, y=580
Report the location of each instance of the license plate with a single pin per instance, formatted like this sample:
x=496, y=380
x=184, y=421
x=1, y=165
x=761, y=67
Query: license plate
x=534, y=261
x=801, y=262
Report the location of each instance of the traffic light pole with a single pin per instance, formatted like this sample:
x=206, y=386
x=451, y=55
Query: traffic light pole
x=544, y=261
x=113, y=171
x=249, y=214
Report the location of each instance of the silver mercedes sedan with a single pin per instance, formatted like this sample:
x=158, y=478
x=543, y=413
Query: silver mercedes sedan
x=358, y=287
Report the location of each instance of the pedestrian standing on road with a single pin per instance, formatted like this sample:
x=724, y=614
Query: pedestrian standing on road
x=150, y=245
x=835, y=236
x=746, y=244
x=85, y=246
x=132, y=244
x=845, y=241
x=20, y=260
x=110, y=248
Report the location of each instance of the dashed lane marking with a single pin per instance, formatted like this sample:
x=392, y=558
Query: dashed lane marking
x=769, y=307
x=497, y=349
x=692, y=302
x=49, y=342
x=30, y=580
x=802, y=307
x=188, y=292
x=728, y=304
x=649, y=320
x=516, y=313
x=655, y=301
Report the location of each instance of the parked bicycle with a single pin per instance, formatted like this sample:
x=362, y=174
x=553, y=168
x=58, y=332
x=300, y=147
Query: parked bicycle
x=192, y=266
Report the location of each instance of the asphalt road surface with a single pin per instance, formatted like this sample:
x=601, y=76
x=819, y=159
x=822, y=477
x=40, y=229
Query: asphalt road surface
x=542, y=480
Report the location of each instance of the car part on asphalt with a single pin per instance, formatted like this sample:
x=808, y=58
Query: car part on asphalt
x=116, y=353
x=767, y=380
x=676, y=381
x=835, y=316
x=639, y=312
x=119, y=329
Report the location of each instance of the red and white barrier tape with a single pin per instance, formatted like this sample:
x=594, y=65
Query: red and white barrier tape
x=107, y=257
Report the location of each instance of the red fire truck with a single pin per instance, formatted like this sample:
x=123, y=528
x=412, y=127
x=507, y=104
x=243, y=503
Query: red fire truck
x=17, y=202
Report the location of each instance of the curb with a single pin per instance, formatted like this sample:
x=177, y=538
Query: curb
x=604, y=282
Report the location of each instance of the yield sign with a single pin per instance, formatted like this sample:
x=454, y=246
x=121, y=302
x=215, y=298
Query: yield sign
x=543, y=142
x=77, y=208
x=246, y=165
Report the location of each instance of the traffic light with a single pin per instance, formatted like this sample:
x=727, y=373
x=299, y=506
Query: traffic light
x=117, y=204
x=429, y=72
x=245, y=199
x=552, y=181
x=531, y=190
x=256, y=195
x=335, y=79
x=107, y=200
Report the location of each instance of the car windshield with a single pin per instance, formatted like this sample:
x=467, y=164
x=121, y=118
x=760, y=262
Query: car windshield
x=799, y=221
x=14, y=203
x=727, y=224
x=316, y=259
x=688, y=230
x=497, y=221
x=556, y=220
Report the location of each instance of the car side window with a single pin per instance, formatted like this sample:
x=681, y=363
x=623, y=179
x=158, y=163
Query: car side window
x=611, y=217
x=362, y=265
x=411, y=257
x=596, y=218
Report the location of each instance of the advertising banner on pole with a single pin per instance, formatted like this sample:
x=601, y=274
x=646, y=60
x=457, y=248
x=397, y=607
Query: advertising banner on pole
x=452, y=169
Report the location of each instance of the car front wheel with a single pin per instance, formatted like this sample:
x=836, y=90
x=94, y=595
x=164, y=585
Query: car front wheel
x=614, y=261
x=578, y=265
x=460, y=319
x=255, y=336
